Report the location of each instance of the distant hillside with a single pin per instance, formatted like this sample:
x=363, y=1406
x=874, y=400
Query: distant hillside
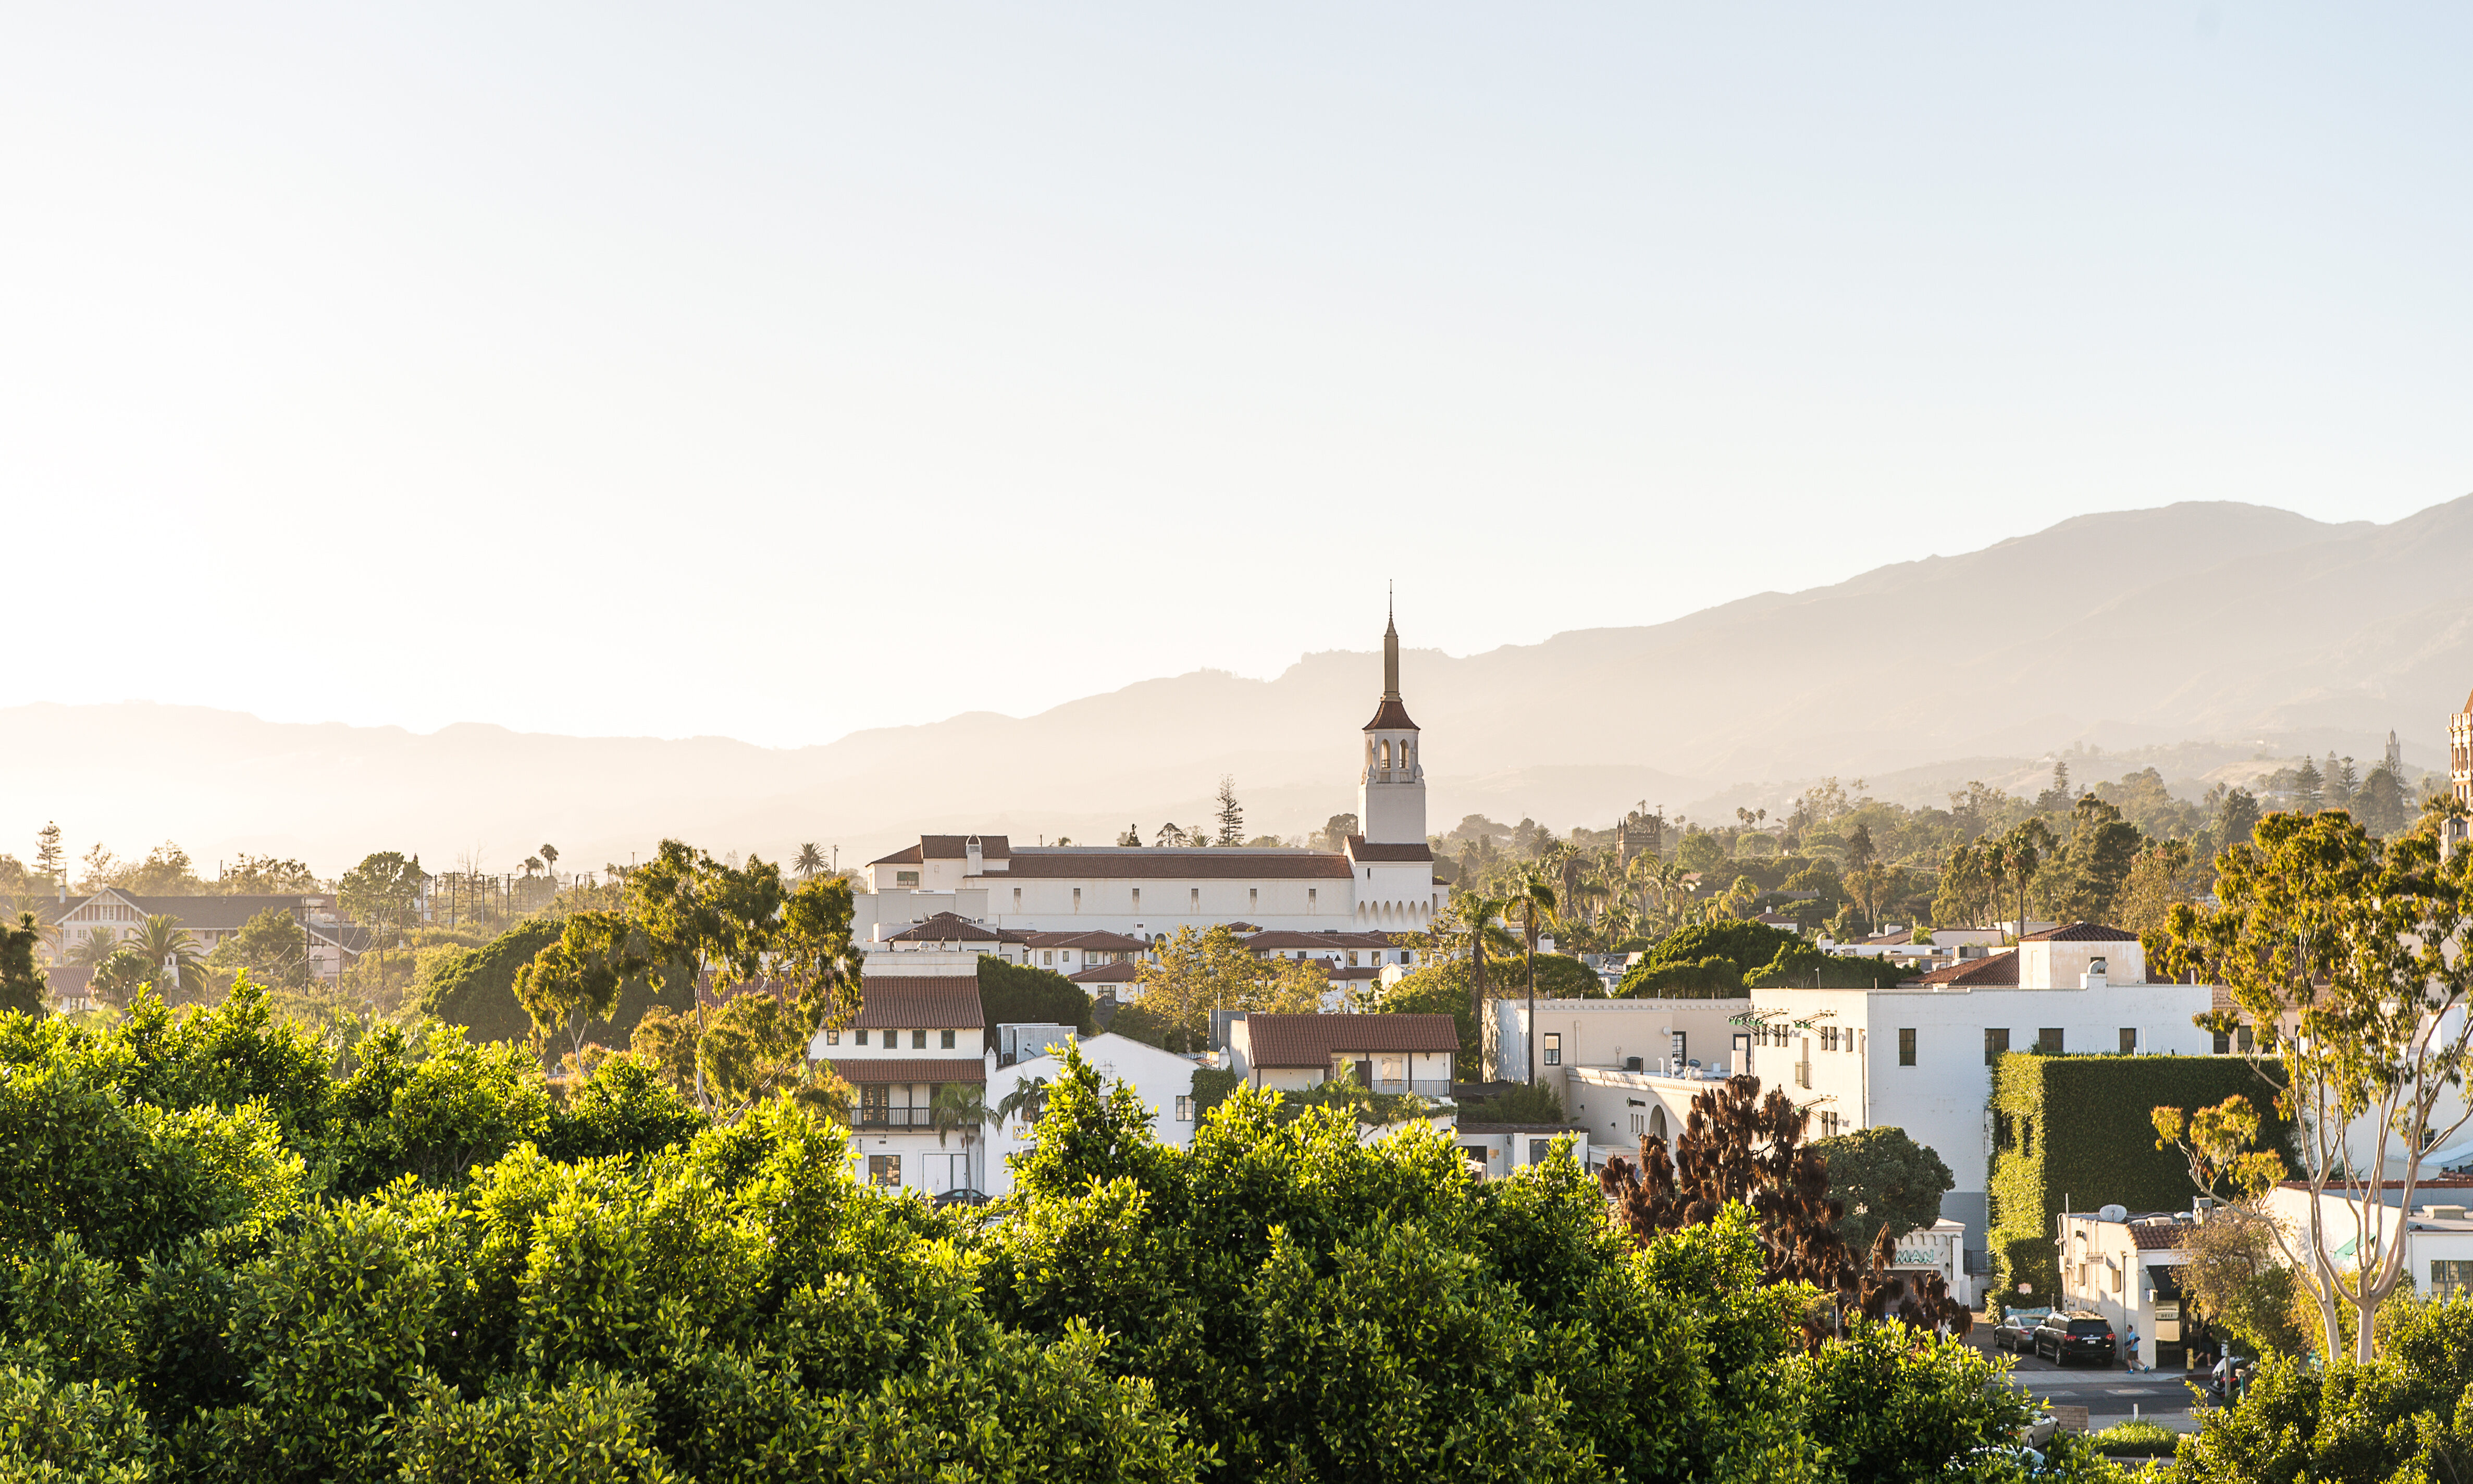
x=2224, y=623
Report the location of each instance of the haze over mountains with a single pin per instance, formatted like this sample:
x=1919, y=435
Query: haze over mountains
x=2251, y=629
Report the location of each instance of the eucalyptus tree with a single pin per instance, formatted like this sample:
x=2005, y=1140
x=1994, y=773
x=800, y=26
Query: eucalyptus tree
x=576, y=980
x=2345, y=953
x=707, y=925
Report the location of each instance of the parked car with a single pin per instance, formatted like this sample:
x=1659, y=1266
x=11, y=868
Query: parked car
x=2074, y=1334
x=2016, y=1328
x=961, y=1197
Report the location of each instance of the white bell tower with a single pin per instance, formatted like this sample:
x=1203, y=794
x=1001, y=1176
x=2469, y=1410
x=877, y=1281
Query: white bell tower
x=1391, y=792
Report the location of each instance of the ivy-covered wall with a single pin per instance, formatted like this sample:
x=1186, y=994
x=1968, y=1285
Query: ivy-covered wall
x=2080, y=1129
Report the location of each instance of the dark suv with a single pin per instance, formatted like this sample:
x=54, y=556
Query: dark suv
x=2074, y=1334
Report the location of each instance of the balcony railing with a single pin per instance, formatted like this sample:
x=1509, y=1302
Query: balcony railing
x=894, y=1118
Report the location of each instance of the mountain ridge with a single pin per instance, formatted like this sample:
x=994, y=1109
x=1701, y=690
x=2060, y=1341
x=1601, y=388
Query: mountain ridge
x=2200, y=621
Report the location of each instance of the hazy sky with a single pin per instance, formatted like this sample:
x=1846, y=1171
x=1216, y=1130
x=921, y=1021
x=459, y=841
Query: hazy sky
x=778, y=370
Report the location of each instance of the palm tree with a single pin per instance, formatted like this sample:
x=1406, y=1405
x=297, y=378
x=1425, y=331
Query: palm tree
x=531, y=867
x=161, y=937
x=549, y=854
x=92, y=946
x=1028, y=1097
x=959, y=1108
x=1534, y=900
x=808, y=860
x=1473, y=925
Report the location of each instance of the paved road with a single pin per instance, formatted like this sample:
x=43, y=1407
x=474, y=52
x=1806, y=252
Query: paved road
x=2109, y=1394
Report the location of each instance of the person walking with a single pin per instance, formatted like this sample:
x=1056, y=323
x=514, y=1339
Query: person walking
x=2129, y=1351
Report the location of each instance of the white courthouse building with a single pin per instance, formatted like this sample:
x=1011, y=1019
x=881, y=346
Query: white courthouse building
x=1382, y=881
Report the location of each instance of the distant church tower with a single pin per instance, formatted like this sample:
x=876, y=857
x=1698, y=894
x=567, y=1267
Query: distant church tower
x=1391, y=794
x=2459, y=754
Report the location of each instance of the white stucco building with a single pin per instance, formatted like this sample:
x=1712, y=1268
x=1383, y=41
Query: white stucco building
x=1382, y=881
x=1162, y=1079
x=918, y=1030
x=1918, y=1056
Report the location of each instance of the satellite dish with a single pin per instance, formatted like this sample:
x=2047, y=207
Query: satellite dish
x=2113, y=1214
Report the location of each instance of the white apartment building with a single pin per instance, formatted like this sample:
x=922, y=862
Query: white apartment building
x=915, y=1032
x=1611, y=1035
x=1162, y=1079
x=1383, y=880
x=2438, y=1232
x=1918, y=1056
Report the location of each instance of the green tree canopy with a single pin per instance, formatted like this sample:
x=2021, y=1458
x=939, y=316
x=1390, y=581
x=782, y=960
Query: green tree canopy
x=1886, y=1181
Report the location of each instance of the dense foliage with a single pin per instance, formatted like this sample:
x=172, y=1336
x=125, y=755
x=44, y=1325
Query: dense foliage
x=2064, y=1125
x=228, y=1257
x=1021, y=994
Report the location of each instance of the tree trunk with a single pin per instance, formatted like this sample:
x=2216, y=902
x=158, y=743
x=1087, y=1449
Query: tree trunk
x=1531, y=1037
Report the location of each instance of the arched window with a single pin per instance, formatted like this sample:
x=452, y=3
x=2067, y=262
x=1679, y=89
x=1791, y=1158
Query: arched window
x=1387, y=753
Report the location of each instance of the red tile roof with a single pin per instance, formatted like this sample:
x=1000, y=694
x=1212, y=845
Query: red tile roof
x=1291, y=938
x=957, y=846
x=2161, y=1236
x=903, y=1002
x=954, y=927
x=910, y=1068
x=1314, y=1039
x=2084, y=932
x=1109, y=974
x=1359, y=849
x=1122, y=862
x=907, y=855
x=1097, y=941
x=1999, y=970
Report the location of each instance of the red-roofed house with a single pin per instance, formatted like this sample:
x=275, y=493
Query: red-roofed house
x=1391, y=1053
x=914, y=1035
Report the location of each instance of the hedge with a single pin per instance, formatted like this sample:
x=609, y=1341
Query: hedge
x=2080, y=1129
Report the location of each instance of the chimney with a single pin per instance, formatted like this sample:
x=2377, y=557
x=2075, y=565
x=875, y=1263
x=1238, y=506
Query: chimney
x=2093, y=979
x=974, y=858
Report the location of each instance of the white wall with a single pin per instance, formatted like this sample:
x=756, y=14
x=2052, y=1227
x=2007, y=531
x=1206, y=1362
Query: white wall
x=1161, y=1079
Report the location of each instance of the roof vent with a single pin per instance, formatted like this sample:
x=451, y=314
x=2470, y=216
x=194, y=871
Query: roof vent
x=2443, y=1212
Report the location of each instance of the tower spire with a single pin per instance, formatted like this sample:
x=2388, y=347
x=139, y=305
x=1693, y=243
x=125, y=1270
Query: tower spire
x=1390, y=647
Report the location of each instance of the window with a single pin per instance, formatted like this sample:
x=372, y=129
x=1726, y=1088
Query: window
x=832, y=1038
x=2130, y=1040
x=884, y=1170
x=1253, y=895
x=1906, y=1046
x=1047, y=957
x=2223, y=1043
x=2241, y=1039
x=905, y=878
x=918, y=1040
x=1407, y=955
x=1352, y=958
x=1310, y=898
x=1829, y=1125
x=1539, y=1149
x=1995, y=1045
x=1829, y=1038
x=1016, y=898
x=1137, y=899
x=1193, y=898
x=2447, y=1273
x=2047, y=1041
x=1077, y=899
x=947, y=1042
x=1184, y=1110
x=1553, y=1048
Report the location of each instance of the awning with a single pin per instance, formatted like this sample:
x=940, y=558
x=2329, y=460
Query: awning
x=2166, y=1280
